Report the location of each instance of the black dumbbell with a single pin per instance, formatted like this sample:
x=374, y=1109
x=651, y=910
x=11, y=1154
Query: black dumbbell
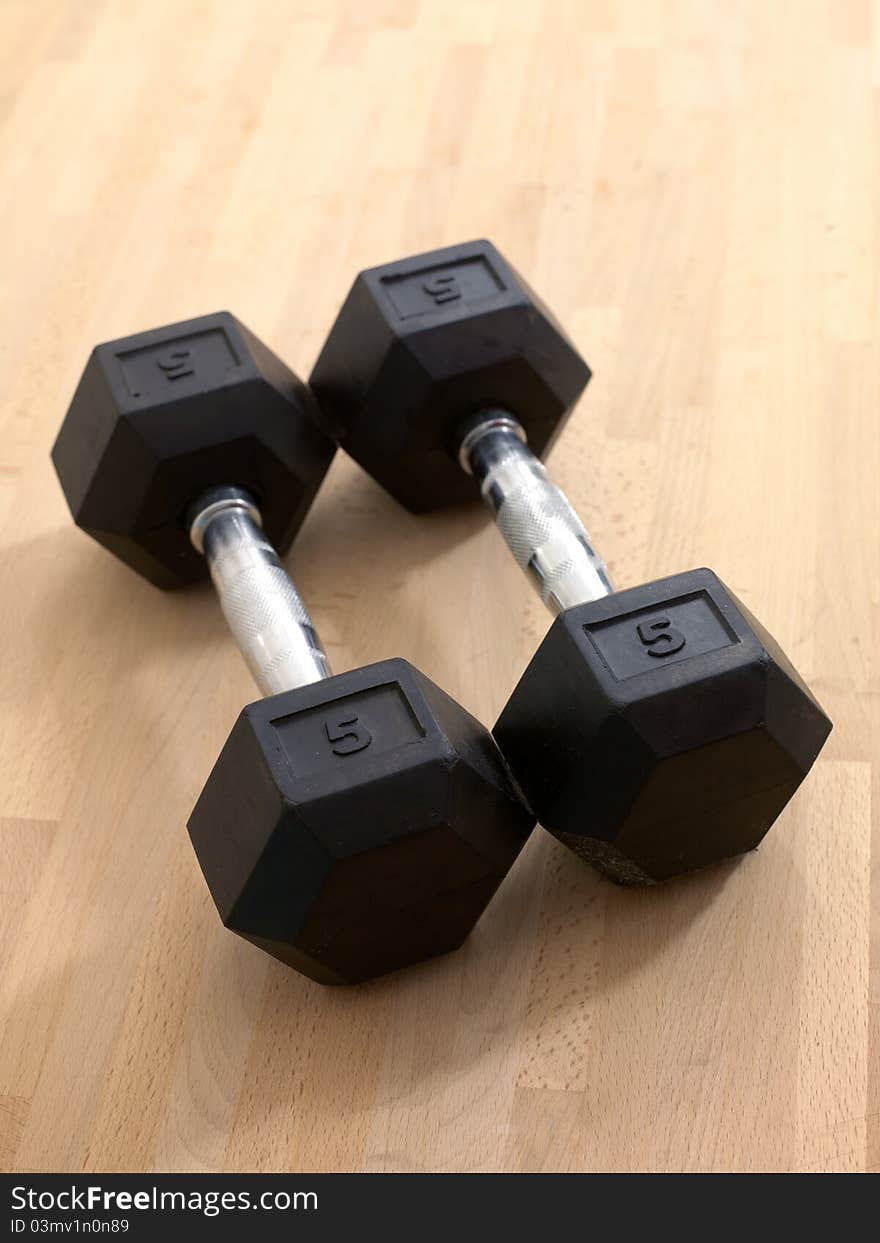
x=160, y=417
x=353, y=824
x=656, y=730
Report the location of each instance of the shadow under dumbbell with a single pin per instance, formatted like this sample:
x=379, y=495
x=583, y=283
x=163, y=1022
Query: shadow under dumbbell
x=448, y=1036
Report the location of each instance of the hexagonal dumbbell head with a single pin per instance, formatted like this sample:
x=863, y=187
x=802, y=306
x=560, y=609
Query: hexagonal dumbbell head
x=422, y=344
x=160, y=417
x=357, y=825
x=660, y=729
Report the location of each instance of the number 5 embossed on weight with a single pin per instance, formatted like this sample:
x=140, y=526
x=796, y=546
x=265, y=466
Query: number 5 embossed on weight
x=660, y=637
x=442, y=288
x=346, y=734
x=176, y=363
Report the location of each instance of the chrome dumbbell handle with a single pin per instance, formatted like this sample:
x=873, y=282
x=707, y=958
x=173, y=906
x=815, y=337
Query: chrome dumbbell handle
x=536, y=520
x=267, y=618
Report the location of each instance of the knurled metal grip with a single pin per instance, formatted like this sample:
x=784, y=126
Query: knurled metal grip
x=264, y=611
x=539, y=525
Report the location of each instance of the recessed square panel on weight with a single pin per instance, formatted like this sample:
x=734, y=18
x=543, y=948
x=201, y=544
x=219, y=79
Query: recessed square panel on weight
x=434, y=288
x=167, y=369
x=661, y=634
x=320, y=739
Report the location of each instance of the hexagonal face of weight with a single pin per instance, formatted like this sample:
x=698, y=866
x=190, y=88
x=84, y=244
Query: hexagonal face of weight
x=660, y=729
x=357, y=825
x=422, y=344
x=160, y=417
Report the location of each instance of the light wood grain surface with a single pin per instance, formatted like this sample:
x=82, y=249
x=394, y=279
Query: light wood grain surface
x=693, y=186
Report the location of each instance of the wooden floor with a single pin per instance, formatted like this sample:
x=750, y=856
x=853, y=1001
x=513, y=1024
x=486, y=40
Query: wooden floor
x=693, y=186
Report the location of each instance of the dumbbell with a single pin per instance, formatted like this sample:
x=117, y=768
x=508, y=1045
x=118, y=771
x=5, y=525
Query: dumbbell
x=352, y=824
x=657, y=729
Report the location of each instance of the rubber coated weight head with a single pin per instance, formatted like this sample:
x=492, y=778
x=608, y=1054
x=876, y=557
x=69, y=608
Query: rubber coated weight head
x=357, y=825
x=420, y=345
x=160, y=417
x=660, y=729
